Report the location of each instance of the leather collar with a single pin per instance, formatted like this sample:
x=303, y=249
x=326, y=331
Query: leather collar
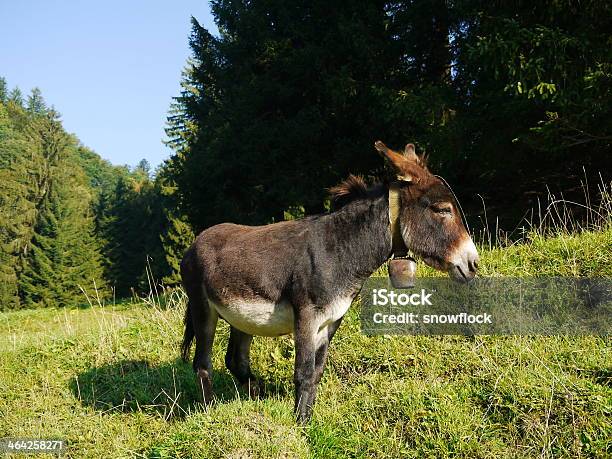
x=398, y=247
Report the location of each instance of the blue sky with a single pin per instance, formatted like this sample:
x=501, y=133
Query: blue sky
x=110, y=68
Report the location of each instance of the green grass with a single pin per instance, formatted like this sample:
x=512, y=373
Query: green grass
x=108, y=380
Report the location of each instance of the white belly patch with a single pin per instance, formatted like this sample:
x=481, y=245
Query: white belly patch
x=274, y=319
x=258, y=318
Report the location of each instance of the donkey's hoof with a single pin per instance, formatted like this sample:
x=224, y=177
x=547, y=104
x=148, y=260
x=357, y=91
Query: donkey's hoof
x=254, y=387
x=205, y=383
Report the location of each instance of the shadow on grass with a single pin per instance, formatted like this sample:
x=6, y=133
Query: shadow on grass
x=136, y=385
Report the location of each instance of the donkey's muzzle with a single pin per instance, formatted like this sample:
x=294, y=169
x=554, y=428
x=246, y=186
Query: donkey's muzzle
x=464, y=264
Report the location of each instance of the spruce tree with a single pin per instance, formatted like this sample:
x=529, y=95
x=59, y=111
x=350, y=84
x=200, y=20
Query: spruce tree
x=132, y=229
x=3, y=90
x=57, y=251
x=176, y=234
x=176, y=239
x=276, y=108
x=18, y=211
x=65, y=257
x=16, y=97
x=36, y=102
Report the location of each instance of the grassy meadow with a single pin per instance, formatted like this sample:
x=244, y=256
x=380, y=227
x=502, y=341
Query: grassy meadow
x=109, y=381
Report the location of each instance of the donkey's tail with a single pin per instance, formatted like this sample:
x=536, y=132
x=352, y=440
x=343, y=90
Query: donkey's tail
x=188, y=335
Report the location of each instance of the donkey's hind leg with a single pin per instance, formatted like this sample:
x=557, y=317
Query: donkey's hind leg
x=237, y=361
x=204, y=319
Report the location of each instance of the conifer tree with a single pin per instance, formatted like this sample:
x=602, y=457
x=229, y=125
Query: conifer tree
x=3, y=90
x=176, y=235
x=65, y=258
x=16, y=97
x=132, y=228
x=17, y=207
x=176, y=239
x=36, y=102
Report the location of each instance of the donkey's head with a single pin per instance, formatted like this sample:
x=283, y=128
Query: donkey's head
x=429, y=216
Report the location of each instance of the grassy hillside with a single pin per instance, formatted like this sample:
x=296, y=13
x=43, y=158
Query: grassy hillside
x=108, y=380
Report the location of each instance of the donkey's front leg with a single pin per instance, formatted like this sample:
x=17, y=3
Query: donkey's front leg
x=305, y=358
x=322, y=347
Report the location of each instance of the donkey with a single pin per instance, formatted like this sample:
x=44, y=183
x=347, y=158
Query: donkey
x=301, y=276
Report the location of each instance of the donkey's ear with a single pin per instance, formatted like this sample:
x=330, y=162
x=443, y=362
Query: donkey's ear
x=398, y=161
x=381, y=147
x=409, y=152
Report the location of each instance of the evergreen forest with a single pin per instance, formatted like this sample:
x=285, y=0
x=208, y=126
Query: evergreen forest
x=511, y=101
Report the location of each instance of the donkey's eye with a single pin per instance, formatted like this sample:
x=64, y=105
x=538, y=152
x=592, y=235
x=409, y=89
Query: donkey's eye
x=442, y=208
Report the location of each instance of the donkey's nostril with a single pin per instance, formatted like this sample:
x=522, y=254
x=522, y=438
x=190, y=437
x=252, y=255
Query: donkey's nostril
x=473, y=265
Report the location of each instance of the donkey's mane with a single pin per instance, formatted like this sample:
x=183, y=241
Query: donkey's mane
x=351, y=189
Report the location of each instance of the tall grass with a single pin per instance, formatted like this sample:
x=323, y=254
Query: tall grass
x=551, y=241
x=555, y=216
